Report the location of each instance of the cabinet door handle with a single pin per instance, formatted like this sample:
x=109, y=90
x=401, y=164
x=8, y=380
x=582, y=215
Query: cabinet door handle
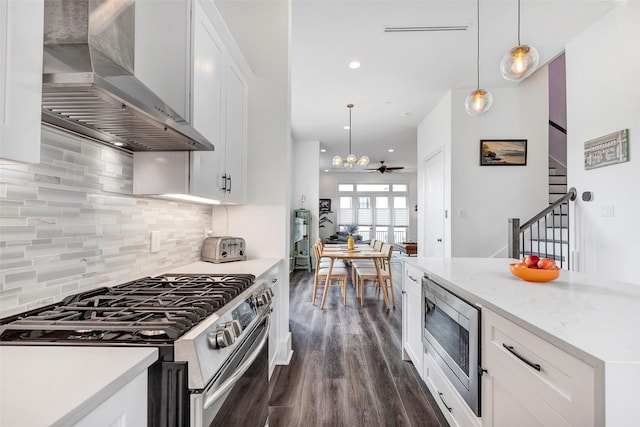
x=229, y=188
x=224, y=183
x=449, y=408
x=511, y=350
x=412, y=278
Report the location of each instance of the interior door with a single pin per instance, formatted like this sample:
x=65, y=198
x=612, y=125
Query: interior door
x=434, y=205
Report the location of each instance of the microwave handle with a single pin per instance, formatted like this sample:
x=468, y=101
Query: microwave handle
x=239, y=372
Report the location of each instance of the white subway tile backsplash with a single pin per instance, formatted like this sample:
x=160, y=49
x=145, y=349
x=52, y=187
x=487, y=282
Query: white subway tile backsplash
x=71, y=224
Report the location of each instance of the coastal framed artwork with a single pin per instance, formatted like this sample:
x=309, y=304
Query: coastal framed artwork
x=607, y=150
x=503, y=152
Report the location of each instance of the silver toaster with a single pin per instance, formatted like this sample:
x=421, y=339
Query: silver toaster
x=223, y=249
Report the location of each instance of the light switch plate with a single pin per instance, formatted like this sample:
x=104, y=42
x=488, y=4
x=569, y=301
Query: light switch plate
x=606, y=210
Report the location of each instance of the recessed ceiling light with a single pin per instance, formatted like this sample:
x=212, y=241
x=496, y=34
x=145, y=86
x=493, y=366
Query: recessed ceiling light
x=326, y=170
x=323, y=150
x=391, y=150
x=354, y=65
x=346, y=127
x=118, y=144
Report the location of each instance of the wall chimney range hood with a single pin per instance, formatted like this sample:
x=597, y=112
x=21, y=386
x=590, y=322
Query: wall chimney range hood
x=89, y=82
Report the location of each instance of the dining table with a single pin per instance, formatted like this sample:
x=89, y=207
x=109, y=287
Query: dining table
x=359, y=252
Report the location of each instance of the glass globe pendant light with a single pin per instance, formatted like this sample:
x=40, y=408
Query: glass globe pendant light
x=521, y=61
x=351, y=160
x=480, y=100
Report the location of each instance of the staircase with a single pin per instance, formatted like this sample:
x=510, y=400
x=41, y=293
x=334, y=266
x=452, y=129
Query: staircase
x=547, y=233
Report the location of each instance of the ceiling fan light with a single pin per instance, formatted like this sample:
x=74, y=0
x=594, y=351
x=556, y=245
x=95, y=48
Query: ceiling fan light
x=364, y=161
x=519, y=63
x=478, y=102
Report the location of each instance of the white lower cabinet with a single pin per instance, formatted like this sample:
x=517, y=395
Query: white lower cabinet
x=274, y=277
x=412, y=348
x=125, y=408
x=455, y=410
x=530, y=382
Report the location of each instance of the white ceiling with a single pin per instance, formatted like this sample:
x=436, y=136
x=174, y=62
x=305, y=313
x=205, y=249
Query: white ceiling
x=404, y=75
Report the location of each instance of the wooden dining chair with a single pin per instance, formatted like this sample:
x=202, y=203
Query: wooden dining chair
x=338, y=274
x=323, y=262
x=369, y=273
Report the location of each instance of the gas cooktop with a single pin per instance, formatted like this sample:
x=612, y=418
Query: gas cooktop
x=152, y=310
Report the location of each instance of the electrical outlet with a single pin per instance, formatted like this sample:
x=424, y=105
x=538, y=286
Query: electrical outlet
x=155, y=242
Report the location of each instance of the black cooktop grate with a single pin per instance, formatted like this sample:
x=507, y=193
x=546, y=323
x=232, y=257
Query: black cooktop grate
x=149, y=310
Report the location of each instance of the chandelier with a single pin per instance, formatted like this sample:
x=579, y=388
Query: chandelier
x=351, y=159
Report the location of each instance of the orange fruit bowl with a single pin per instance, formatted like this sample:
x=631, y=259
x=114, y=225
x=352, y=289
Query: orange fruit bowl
x=534, y=274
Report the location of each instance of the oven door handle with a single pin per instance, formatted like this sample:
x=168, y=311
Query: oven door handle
x=239, y=372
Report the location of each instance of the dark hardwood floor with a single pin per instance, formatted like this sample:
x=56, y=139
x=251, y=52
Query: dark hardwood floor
x=347, y=367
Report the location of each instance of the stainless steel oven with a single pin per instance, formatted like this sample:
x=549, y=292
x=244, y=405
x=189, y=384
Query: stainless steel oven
x=451, y=334
x=239, y=394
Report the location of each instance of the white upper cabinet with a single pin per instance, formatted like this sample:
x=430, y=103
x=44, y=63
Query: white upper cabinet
x=218, y=94
x=207, y=86
x=163, y=53
x=235, y=138
x=21, y=30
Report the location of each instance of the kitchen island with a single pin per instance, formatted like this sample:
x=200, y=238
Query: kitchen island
x=588, y=321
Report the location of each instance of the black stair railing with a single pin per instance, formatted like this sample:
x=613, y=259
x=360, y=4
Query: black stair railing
x=544, y=235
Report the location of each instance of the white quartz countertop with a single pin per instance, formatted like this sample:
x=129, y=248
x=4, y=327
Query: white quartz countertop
x=58, y=385
x=257, y=267
x=589, y=317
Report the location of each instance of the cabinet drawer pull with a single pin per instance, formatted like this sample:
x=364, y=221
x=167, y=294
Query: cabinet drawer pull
x=449, y=408
x=412, y=278
x=511, y=350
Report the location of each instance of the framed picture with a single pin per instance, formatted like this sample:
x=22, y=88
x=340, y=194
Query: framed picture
x=503, y=152
x=325, y=206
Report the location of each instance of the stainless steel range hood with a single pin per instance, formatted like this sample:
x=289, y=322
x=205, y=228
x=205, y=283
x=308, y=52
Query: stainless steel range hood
x=89, y=82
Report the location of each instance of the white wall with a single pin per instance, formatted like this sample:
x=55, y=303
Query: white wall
x=306, y=164
x=329, y=190
x=603, y=96
x=489, y=195
x=262, y=30
x=264, y=221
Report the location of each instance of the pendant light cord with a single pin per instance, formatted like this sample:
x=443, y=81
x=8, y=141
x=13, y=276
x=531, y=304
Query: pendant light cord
x=478, y=45
x=350, y=129
x=518, y=22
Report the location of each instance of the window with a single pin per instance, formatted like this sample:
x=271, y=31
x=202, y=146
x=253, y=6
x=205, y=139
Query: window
x=381, y=216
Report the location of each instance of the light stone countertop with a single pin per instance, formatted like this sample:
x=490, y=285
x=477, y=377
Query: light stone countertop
x=59, y=385
x=595, y=319
x=257, y=267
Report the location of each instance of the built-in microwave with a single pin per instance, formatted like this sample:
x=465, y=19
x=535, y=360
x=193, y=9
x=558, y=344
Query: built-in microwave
x=450, y=334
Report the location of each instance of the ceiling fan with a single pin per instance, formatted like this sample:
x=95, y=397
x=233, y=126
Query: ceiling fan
x=386, y=169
